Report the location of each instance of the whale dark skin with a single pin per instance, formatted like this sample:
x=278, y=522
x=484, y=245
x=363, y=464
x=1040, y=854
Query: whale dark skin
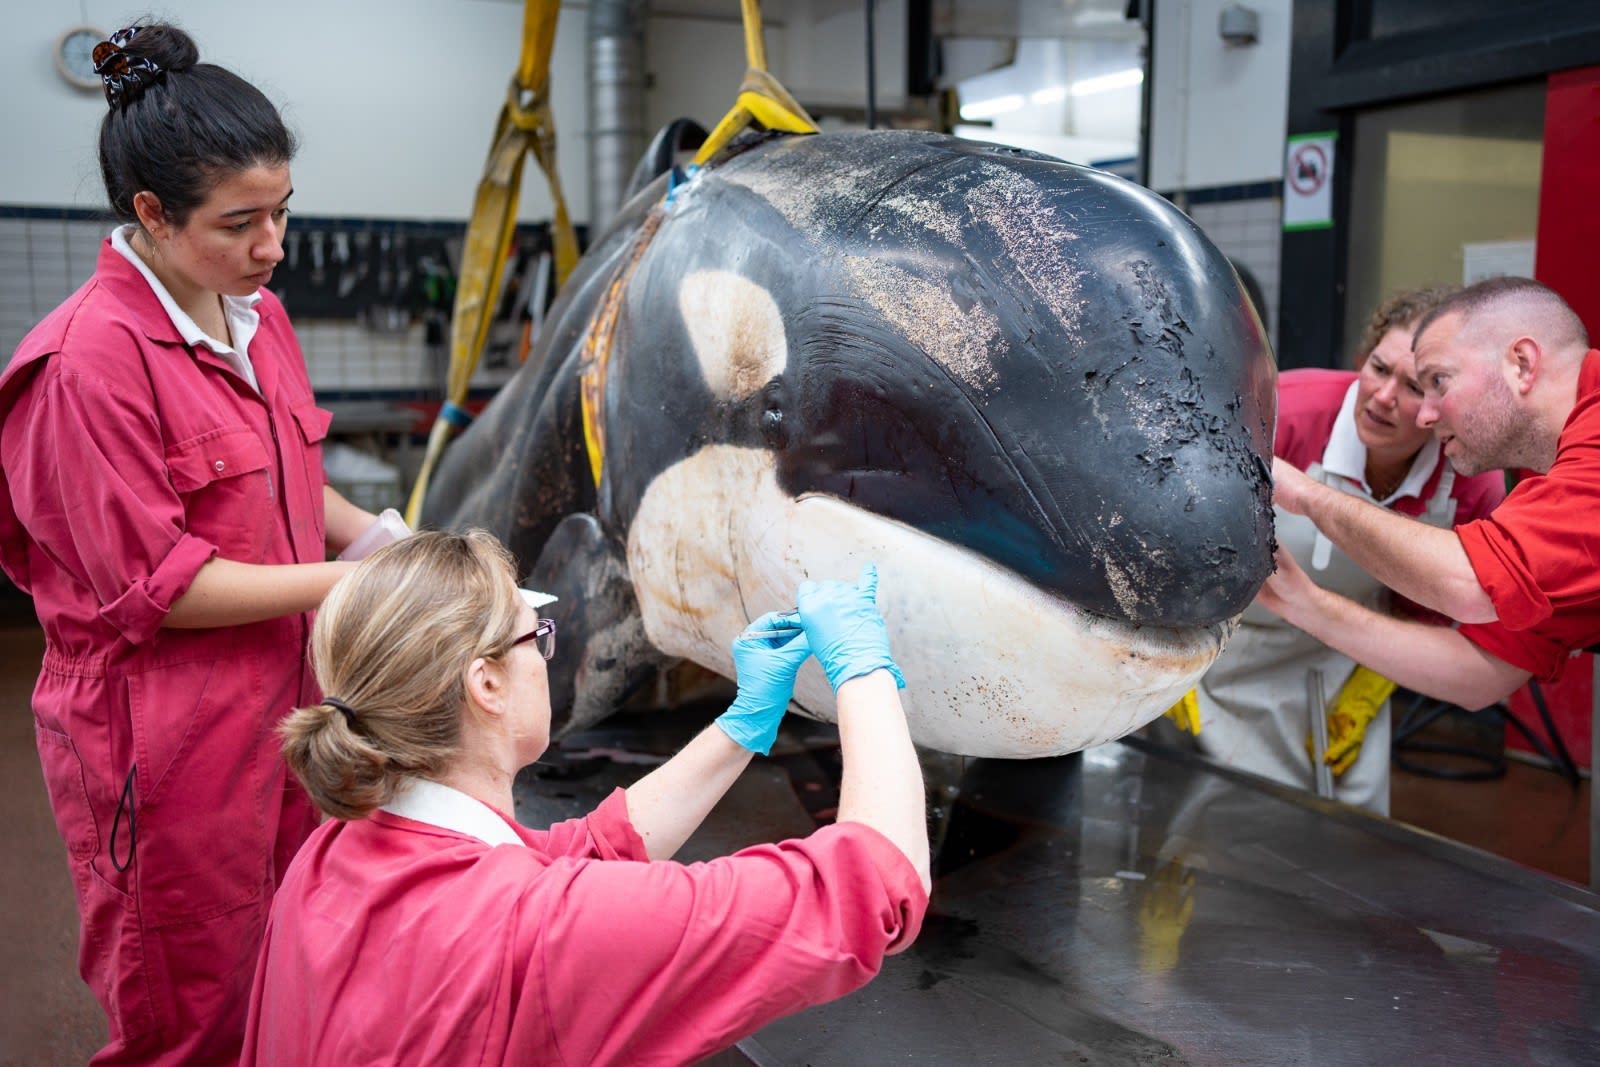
x=1037, y=388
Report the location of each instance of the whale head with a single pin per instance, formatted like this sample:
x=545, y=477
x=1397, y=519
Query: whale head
x=1033, y=394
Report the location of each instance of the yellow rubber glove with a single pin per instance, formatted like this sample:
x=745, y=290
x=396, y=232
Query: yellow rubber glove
x=1185, y=714
x=1165, y=909
x=1351, y=711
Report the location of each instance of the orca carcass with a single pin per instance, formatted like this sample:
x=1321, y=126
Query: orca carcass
x=1034, y=394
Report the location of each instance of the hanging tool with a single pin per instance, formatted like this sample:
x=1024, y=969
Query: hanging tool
x=318, y=259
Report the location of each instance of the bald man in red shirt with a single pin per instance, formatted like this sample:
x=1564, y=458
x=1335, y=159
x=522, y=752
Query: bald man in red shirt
x=1509, y=381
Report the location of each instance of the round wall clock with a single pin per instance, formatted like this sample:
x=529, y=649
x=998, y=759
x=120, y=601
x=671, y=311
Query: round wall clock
x=75, y=55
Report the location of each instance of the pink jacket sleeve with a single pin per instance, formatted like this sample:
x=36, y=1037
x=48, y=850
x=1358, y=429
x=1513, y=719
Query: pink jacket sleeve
x=666, y=963
x=606, y=833
x=99, y=501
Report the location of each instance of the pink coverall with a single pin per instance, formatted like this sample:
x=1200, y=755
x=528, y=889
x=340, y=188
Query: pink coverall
x=399, y=942
x=129, y=460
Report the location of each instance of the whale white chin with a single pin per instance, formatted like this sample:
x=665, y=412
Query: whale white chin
x=994, y=667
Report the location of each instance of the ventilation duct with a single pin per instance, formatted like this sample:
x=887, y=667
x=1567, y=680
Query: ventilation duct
x=616, y=102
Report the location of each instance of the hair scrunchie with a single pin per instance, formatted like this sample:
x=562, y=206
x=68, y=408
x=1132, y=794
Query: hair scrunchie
x=342, y=708
x=125, y=76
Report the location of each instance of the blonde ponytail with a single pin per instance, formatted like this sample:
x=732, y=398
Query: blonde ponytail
x=392, y=643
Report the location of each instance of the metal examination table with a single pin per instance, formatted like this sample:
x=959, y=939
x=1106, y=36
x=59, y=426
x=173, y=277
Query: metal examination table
x=1134, y=905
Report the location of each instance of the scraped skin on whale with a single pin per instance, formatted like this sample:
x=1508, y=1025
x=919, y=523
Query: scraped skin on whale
x=993, y=666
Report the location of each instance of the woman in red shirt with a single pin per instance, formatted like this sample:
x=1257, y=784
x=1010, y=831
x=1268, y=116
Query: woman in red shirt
x=424, y=925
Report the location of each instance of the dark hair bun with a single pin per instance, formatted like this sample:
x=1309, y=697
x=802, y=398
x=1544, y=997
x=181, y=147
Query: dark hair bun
x=168, y=47
x=175, y=124
x=141, y=55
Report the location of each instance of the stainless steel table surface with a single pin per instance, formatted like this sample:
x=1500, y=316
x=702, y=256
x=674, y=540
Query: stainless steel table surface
x=1132, y=905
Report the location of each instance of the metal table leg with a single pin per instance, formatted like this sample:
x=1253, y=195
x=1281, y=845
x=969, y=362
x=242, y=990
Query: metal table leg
x=1317, y=704
x=1594, y=794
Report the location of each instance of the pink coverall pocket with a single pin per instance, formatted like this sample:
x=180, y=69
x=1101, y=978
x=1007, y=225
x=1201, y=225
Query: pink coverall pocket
x=202, y=844
x=69, y=792
x=227, y=483
x=313, y=423
x=111, y=956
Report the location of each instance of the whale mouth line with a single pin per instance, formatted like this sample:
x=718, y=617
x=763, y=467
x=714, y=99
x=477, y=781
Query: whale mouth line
x=1057, y=600
x=1055, y=597
x=966, y=631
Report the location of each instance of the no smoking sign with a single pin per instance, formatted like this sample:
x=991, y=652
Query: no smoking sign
x=1307, y=182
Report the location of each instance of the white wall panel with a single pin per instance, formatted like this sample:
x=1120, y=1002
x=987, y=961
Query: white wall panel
x=394, y=101
x=1218, y=110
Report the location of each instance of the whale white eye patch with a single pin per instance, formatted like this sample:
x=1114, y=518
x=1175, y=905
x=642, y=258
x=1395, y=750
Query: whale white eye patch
x=736, y=330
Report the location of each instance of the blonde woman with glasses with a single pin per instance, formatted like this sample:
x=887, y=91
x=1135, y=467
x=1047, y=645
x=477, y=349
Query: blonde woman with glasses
x=422, y=924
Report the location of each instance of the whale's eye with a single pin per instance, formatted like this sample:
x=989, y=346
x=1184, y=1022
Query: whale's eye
x=774, y=398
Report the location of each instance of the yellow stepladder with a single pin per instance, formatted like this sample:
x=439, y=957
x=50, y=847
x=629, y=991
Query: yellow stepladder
x=525, y=127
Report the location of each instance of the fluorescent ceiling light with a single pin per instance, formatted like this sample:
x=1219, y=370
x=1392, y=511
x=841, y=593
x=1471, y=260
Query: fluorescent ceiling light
x=984, y=109
x=1000, y=105
x=1105, y=83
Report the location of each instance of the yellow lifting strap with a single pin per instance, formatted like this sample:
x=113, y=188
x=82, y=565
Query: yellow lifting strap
x=595, y=362
x=526, y=126
x=761, y=99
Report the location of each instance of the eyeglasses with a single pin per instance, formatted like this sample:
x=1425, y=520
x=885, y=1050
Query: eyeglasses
x=544, y=633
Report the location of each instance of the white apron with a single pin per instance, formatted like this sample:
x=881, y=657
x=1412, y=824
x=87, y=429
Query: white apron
x=1253, y=704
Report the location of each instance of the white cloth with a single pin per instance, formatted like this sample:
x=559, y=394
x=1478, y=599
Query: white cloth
x=243, y=319
x=448, y=808
x=1254, y=708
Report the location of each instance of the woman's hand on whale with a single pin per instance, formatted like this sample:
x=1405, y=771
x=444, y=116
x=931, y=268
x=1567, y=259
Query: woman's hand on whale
x=765, y=667
x=847, y=633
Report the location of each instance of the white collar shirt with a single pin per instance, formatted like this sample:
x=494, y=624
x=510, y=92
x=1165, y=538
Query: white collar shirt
x=1346, y=456
x=243, y=319
x=443, y=806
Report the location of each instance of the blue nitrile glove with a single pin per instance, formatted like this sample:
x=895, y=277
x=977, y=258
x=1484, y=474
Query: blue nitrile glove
x=846, y=631
x=766, y=668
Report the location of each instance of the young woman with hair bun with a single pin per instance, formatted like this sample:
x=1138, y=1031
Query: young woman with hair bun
x=162, y=499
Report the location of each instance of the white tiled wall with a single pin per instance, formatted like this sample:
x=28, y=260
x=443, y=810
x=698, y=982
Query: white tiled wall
x=42, y=260
x=1248, y=232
